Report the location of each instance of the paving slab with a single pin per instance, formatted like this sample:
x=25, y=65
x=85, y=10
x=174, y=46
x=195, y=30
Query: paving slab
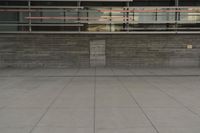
x=127, y=130
x=120, y=118
x=51, y=129
x=71, y=118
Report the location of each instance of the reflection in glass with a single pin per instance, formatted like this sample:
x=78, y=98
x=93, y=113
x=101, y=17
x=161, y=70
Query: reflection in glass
x=98, y=17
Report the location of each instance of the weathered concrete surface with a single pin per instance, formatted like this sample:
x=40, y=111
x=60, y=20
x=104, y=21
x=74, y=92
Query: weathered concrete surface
x=64, y=51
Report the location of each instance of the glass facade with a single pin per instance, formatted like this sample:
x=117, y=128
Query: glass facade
x=99, y=16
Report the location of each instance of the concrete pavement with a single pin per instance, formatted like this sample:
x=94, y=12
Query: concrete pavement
x=101, y=100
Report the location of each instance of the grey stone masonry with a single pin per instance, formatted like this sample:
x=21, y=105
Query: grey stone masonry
x=73, y=50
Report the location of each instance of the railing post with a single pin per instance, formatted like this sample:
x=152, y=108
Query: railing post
x=127, y=17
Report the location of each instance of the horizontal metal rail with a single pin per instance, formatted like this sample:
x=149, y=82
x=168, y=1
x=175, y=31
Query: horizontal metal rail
x=43, y=7
x=41, y=25
x=149, y=11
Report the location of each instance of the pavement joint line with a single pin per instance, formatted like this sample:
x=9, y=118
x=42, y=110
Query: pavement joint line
x=53, y=101
x=101, y=76
x=95, y=87
x=140, y=107
x=185, y=106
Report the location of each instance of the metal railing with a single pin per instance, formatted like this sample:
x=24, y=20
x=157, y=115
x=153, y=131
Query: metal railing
x=91, y=19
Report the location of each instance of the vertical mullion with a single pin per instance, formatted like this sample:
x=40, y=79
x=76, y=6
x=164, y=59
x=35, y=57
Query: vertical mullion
x=79, y=4
x=111, y=19
x=177, y=14
x=64, y=15
x=87, y=14
x=133, y=25
x=29, y=14
x=156, y=15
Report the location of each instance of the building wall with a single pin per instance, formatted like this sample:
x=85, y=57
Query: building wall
x=64, y=51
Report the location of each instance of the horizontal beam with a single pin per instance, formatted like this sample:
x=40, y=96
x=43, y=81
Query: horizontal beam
x=76, y=0
x=185, y=28
x=108, y=11
x=46, y=6
x=142, y=32
x=81, y=0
